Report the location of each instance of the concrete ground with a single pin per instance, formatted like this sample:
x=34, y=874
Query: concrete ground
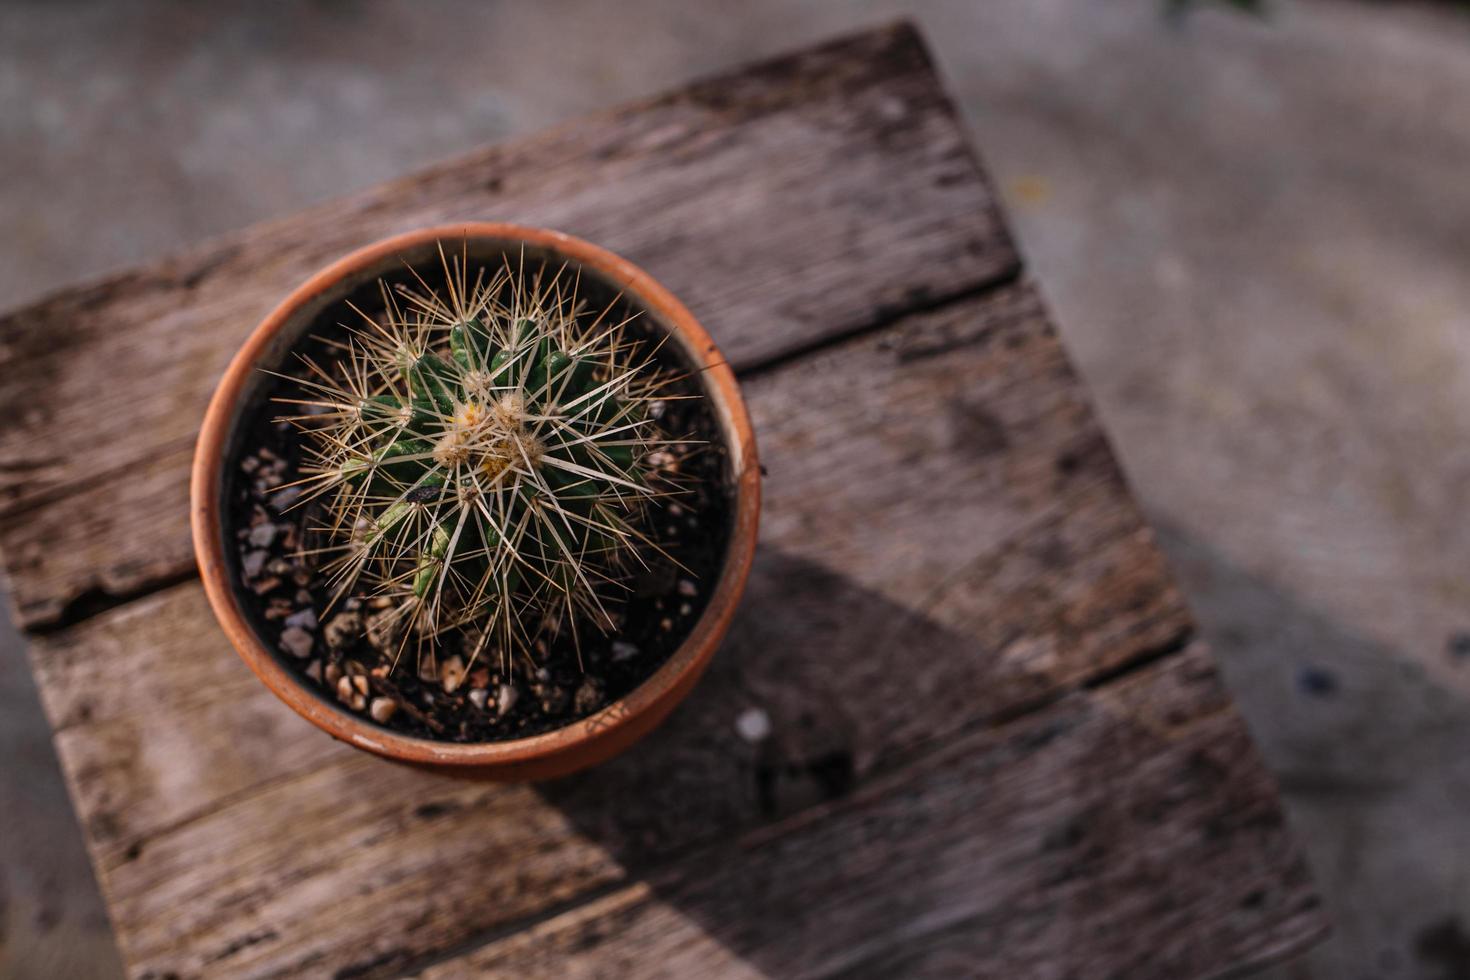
x=1253, y=233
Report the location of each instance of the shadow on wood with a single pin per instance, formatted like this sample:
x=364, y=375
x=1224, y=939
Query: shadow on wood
x=1129, y=805
x=842, y=680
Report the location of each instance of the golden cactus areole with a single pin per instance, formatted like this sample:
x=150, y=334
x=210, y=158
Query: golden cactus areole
x=486, y=453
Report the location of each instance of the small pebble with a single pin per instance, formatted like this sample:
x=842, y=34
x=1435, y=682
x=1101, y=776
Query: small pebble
x=344, y=689
x=264, y=585
x=452, y=674
x=588, y=697
x=314, y=671
x=479, y=697
x=428, y=669
x=253, y=564
x=305, y=619
x=361, y=683
x=283, y=499
x=261, y=535
x=688, y=588
x=622, y=650
x=753, y=725
x=297, y=642
x=382, y=709
x=554, y=699
x=505, y=699
x=685, y=609
x=383, y=629
x=333, y=674
x=342, y=630
x=542, y=674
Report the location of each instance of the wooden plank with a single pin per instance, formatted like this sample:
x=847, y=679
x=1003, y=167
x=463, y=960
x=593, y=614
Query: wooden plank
x=796, y=201
x=1124, y=832
x=96, y=546
x=984, y=525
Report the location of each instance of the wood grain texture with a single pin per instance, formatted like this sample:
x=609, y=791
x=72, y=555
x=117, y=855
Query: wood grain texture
x=994, y=748
x=793, y=202
x=1125, y=832
x=996, y=566
x=1023, y=542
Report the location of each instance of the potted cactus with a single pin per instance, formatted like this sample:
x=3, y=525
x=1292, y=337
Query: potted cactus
x=480, y=497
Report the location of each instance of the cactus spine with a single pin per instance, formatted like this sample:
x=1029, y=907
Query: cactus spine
x=484, y=455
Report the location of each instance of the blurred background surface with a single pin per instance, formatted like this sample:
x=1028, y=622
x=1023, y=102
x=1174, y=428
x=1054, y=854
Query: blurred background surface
x=1255, y=234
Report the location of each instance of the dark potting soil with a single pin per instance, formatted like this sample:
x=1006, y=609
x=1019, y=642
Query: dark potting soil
x=330, y=650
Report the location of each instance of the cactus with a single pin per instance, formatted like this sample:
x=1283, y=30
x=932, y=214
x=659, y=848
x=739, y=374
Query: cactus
x=484, y=457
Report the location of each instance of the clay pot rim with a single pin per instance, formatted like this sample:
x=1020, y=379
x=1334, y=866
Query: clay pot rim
x=656, y=694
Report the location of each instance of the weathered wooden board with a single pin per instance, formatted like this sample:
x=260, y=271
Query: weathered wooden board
x=790, y=203
x=993, y=750
x=1106, y=836
x=1014, y=561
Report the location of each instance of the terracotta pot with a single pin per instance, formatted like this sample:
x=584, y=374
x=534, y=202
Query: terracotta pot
x=582, y=743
